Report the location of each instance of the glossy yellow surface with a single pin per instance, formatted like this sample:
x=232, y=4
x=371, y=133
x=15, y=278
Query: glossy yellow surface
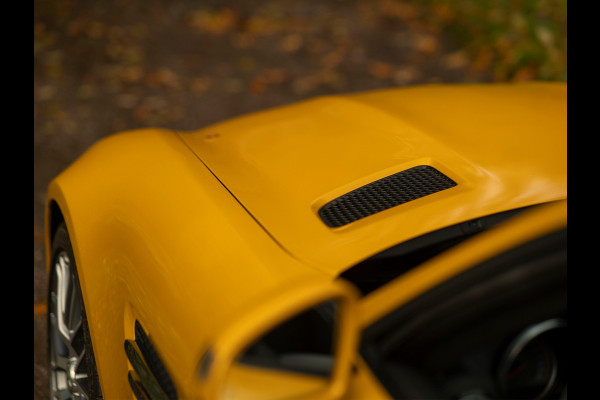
x=505, y=146
x=158, y=238
x=251, y=383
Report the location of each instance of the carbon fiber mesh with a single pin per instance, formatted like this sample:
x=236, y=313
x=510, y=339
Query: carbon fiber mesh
x=388, y=192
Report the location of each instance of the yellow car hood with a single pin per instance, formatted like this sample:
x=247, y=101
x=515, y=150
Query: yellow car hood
x=503, y=145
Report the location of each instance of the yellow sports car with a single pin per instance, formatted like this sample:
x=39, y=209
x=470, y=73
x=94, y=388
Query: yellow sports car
x=403, y=243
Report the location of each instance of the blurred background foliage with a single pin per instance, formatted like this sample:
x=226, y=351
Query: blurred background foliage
x=516, y=39
x=153, y=61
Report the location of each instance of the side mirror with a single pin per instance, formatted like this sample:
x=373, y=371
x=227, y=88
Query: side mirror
x=299, y=344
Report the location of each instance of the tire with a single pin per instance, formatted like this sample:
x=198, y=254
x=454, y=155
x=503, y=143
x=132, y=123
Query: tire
x=72, y=373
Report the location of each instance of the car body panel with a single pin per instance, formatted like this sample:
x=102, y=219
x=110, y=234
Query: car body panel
x=185, y=241
x=157, y=238
x=503, y=144
x=224, y=374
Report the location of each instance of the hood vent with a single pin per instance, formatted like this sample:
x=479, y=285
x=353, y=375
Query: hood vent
x=388, y=192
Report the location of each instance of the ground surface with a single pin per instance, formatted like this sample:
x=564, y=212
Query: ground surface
x=107, y=66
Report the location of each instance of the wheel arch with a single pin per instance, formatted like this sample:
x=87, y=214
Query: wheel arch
x=54, y=218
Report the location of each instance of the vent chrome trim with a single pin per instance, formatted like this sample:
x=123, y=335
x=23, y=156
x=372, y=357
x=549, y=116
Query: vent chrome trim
x=399, y=188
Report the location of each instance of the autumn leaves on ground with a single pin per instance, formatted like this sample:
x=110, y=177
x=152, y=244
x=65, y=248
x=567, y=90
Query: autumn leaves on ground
x=107, y=66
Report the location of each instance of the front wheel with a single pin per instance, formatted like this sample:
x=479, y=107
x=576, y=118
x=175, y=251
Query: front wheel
x=73, y=373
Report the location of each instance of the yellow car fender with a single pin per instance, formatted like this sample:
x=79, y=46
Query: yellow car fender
x=182, y=232
x=148, y=223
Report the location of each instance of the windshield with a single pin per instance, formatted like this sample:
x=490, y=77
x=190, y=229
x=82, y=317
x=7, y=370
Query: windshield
x=497, y=330
x=382, y=268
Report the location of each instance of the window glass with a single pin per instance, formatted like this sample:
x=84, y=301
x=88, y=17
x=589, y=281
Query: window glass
x=303, y=343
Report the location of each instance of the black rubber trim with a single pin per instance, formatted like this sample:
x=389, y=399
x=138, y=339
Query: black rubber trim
x=144, y=377
x=385, y=193
x=137, y=388
x=154, y=362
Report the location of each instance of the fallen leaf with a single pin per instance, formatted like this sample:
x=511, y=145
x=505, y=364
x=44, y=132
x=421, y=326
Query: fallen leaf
x=274, y=75
x=526, y=73
x=380, y=70
x=334, y=58
x=201, y=84
x=40, y=308
x=95, y=30
x=291, y=43
x=86, y=91
x=141, y=113
x=45, y=93
x=426, y=43
x=398, y=9
x=257, y=85
x=305, y=84
x=445, y=12
x=131, y=74
x=406, y=75
x=247, y=64
x=482, y=61
x=163, y=77
x=127, y=100
x=262, y=26
x=455, y=60
x=545, y=36
x=233, y=85
x=76, y=27
x=243, y=40
x=214, y=22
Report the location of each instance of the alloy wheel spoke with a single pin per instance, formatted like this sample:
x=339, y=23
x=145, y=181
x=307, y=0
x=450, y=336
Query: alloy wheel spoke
x=58, y=334
x=68, y=374
x=61, y=392
x=59, y=363
x=74, y=313
x=62, y=291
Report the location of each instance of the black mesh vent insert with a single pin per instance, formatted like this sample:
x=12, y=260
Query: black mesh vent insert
x=388, y=192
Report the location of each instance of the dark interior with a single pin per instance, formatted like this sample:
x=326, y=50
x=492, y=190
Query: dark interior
x=302, y=344
x=496, y=331
x=374, y=272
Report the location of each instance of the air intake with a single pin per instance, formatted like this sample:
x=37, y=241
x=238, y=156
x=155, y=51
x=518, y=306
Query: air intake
x=388, y=192
x=150, y=380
